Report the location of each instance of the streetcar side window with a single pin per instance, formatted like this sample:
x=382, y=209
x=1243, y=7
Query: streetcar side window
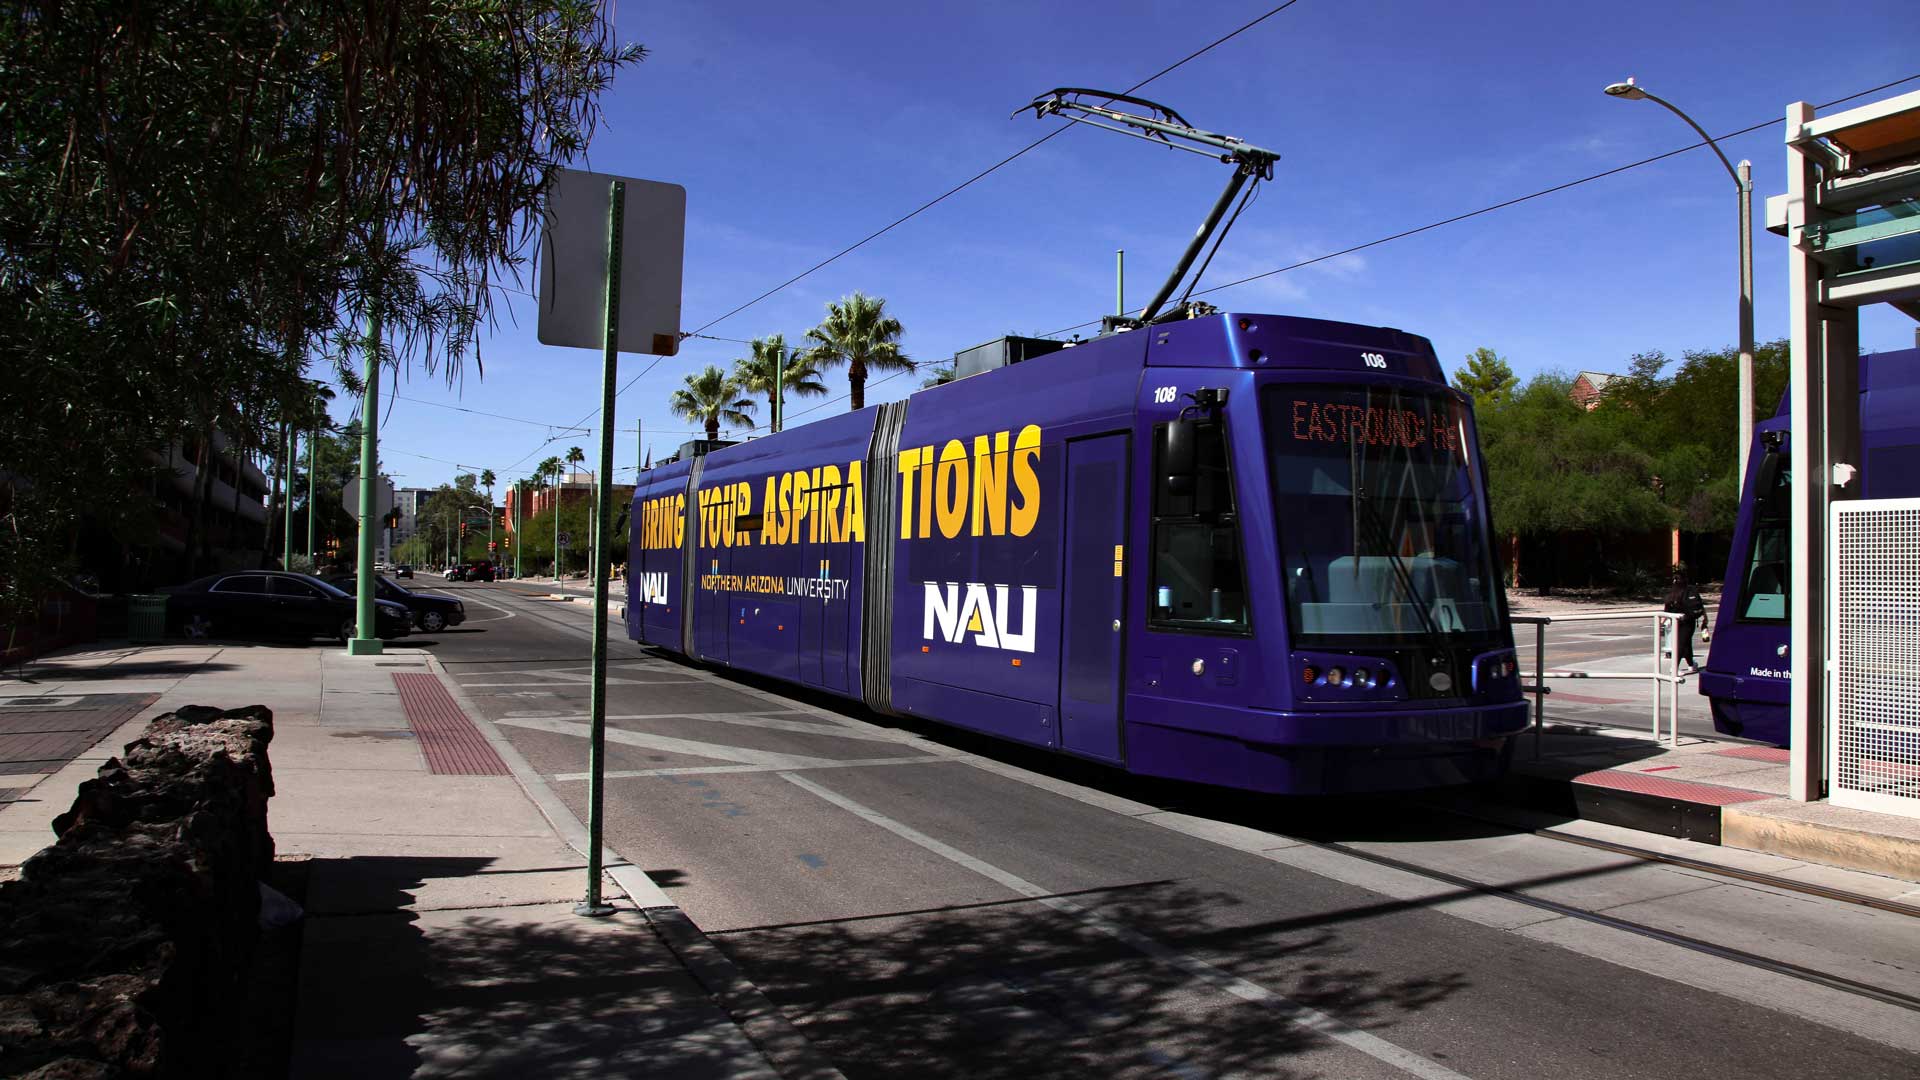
x=1198, y=581
x=1769, y=561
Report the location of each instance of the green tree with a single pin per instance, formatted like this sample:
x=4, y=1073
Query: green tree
x=1487, y=378
x=1555, y=469
x=755, y=374
x=859, y=333
x=710, y=397
x=202, y=200
x=939, y=375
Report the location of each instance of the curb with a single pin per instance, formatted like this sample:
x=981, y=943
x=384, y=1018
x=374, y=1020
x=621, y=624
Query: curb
x=1831, y=845
x=1742, y=826
x=1668, y=816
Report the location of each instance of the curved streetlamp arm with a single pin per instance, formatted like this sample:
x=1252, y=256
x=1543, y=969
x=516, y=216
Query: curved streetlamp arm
x=1675, y=110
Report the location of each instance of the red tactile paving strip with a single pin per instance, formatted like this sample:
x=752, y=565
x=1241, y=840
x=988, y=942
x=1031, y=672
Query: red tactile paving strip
x=1710, y=794
x=454, y=747
x=1757, y=753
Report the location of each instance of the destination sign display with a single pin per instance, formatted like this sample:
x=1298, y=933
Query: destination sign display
x=1374, y=425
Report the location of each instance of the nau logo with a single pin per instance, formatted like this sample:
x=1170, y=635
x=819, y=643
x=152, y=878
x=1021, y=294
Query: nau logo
x=956, y=610
x=653, y=588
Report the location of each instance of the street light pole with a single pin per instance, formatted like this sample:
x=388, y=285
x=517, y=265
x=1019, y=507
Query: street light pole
x=313, y=441
x=1743, y=183
x=286, y=528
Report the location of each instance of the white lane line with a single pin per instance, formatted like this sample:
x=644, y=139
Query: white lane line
x=835, y=731
x=1879, y=1022
x=703, y=770
x=504, y=613
x=669, y=745
x=1295, y=1013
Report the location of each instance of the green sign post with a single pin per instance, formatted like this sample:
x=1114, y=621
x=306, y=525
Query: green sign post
x=602, y=501
x=366, y=638
x=638, y=312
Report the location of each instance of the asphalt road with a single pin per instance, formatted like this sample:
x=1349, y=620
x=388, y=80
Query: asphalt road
x=919, y=900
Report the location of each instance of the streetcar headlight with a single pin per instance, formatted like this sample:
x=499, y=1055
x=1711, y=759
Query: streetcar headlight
x=1361, y=677
x=1335, y=676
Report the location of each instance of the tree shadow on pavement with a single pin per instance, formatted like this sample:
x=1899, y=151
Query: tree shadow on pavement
x=1023, y=988
x=517, y=991
x=141, y=669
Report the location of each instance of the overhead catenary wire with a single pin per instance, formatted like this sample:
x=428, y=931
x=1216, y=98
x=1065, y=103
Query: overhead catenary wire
x=931, y=203
x=1503, y=204
x=495, y=415
x=1402, y=234
x=991, y=169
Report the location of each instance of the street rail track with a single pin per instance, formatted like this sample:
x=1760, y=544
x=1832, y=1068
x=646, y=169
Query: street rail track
x=1684, y=941
x=1813, y=976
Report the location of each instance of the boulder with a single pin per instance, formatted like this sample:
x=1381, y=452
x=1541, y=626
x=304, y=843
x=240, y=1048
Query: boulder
x=124, y=946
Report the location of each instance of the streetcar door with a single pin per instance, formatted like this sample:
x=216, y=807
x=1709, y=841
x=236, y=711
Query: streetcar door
x=1094, y=593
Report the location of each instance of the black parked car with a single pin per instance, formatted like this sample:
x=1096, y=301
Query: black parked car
x=403, y=571
x=273, y=603
x=475, y=571
x=430, y=612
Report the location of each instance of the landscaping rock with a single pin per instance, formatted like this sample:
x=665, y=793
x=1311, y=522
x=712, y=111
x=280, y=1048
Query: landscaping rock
x=123, y=946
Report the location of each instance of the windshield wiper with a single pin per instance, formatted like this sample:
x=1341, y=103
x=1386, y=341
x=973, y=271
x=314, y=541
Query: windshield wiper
x=1401, y=575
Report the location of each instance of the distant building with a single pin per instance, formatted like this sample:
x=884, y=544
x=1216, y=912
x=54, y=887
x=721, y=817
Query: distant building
x=233, y=520
x=574, y=488
x=1590, y=387
x=408, y=501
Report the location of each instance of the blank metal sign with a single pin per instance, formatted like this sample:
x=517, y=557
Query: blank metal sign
x=573, y=271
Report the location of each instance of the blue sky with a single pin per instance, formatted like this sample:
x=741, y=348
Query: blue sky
x=798, y=128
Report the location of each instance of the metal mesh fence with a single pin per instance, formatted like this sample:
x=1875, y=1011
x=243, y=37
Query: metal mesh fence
x=1874, y=742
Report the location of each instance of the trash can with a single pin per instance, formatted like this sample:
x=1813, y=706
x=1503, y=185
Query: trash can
x=146, y=618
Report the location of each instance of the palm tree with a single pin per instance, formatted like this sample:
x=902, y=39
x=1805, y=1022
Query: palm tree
x=755, y=374
x=858, y=333
x=711, y=396
x=942, y=374
x=486, y=481
x=317, y=418
x=552, y=467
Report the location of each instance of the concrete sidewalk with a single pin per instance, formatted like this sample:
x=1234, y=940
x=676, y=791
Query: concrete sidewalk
x=439, y=881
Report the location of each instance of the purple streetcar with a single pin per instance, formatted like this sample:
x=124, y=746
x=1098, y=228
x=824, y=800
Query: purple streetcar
x=1244, y=550
x=1746, y=675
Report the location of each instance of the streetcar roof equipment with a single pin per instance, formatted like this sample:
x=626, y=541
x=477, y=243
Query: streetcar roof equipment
x=1157, y=123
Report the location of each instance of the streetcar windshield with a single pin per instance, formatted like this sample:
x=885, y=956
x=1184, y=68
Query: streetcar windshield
x=1378, y=504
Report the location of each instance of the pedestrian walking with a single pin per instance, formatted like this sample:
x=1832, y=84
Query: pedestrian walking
x=1684, y=600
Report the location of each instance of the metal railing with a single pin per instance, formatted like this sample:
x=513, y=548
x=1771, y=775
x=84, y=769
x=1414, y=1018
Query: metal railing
x=1666, y=677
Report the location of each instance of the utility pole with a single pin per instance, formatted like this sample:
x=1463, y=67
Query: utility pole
x=313, y=441
x=286, y=529
x=366, y=640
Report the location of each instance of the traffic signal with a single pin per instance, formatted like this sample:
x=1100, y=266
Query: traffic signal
x=506, y=543
x=490, y=547
x=463, y=530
